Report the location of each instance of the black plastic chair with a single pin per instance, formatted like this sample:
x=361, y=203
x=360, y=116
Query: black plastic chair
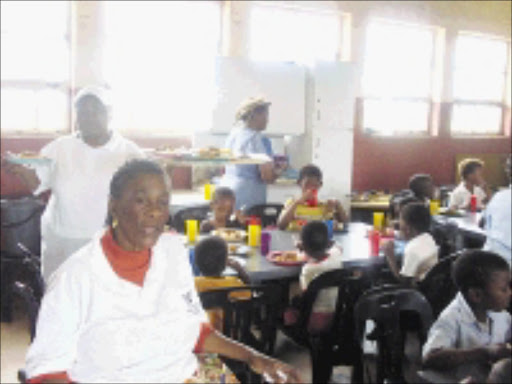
x=268, y=213
x=199, y=213
x=397, y=314
x=251, y=321
x=445, y=236
x=335, y=345
x=438, y=286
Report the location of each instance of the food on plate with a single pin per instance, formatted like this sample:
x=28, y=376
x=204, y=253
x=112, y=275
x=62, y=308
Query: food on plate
x=229, y=234
x=287, y=257
x=232, y=248
x=29, y=155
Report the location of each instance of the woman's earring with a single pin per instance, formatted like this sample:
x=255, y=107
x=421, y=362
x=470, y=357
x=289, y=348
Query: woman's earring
x=114, y=222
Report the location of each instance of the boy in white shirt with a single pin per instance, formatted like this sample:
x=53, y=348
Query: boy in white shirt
x=321, y=257
x=421, y=251
x=473, y=331
x=473, y=183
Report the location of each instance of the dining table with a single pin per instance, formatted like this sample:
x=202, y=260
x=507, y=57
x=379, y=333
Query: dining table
x=353, y=242
x=467, y=225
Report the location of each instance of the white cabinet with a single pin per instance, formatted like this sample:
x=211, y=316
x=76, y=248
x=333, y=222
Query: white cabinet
x=282, y=83
x=333, y=122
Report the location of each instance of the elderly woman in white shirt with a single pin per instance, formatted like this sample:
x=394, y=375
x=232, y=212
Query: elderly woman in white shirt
x=82, y=165
x=124, y=307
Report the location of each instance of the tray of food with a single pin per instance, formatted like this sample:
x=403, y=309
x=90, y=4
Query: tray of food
x=231, y=235
x=286, y=258
x=27, y=158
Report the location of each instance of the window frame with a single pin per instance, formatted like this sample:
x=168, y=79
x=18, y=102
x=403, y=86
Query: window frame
x=504, y=128
x=137, y=130
x=344, y=19
x=436, y=84
x=41, y=85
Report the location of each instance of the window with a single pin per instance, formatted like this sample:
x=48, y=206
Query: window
x=35, y=66
x=160, y=63
x=479, y=85
x=289, y=34
x=398, y=78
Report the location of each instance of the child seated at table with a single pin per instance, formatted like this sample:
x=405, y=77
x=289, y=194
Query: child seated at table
x=422, y=186
x=310, y=181
x=474, y=329
x=222, y=206
x=322, y=256
x=421, y=251
x=472, y=183
x=211, y=258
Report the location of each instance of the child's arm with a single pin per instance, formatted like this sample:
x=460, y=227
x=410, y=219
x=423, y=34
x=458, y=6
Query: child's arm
x=288, y=212
x=242, y=273
x=443, y=359
x=339, y=213
x=389, y=252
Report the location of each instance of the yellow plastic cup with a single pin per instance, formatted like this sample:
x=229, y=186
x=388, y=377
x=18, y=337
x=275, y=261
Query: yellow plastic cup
x=192, y=229
x=208, y=191
x=434, y=207
x=254, y=237
x=378, y=220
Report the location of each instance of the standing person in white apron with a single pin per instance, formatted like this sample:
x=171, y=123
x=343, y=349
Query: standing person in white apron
x=78, y=177
x=249, y=182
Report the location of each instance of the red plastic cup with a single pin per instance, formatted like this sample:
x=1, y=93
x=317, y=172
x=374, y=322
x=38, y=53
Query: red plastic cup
x=374, y=238
x=313, y=202
x=473, y=203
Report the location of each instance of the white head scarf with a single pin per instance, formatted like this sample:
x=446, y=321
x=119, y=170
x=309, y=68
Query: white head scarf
x=102, y=94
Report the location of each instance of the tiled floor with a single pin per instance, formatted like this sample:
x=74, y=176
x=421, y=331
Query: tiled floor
x=15, y=341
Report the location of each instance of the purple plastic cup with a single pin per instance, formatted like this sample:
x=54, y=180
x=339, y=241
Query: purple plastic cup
x=266, y=237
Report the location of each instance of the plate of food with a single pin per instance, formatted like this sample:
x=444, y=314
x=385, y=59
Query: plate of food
x=238, y=249
x=231, y=235
x=27, y=158
x=286, y=258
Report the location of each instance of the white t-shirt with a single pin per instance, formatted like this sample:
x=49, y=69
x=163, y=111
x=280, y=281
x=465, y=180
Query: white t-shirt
x=420, y=254
x=99, y=327
x=498, y=220
x=460, y=197
x=79, y=178
x=326, y=299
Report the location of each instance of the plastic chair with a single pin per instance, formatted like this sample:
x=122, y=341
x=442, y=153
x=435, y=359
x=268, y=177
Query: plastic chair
x=445, y=236
x=268, y=213
x=249, y=321
x=199, y=212
x=438, y=286
x=335, y=345
x=397, y=313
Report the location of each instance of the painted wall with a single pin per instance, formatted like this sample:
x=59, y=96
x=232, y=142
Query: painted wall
x=387, y=162
x=378, y=162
